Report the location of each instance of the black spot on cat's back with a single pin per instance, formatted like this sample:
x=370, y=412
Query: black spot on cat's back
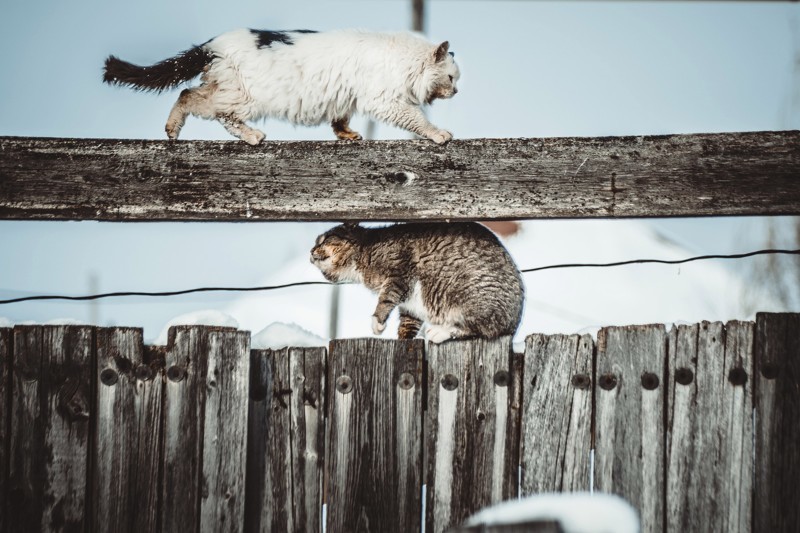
x=267, y=37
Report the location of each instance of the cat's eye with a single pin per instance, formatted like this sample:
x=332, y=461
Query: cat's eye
x=451, y=78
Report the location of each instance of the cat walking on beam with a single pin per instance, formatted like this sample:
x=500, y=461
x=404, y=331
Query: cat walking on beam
x=303, y=77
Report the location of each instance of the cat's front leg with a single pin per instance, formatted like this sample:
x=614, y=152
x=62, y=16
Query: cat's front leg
x=390, y=295
x=341, y=128
x=412, y=118
x=409, y=326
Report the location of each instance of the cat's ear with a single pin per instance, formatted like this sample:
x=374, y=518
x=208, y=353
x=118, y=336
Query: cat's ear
x=441, y=51
x=351, y=225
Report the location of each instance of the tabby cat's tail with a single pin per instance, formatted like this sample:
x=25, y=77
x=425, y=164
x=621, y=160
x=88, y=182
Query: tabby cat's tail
x=164, y=75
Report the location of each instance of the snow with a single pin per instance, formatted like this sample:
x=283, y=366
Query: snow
x=578, y=512
x=206, y=317
x=280, y=335
x=5, y=322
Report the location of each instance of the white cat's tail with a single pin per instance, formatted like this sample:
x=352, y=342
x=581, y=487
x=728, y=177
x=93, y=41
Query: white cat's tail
x=164, y=75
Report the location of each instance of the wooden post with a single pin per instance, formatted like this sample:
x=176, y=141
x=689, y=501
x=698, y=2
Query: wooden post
x=5, y=419
x=285, y=440
x=51, y=407
x=557, y=413
x=205, y=429
x=374, y=452
x=126, y=448
x=710, y=427
x=629, y=418
x=777, y=402
x=472, y=449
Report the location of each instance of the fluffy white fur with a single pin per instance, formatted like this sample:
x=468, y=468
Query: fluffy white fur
x=313, y=78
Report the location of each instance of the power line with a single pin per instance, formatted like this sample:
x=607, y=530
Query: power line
x=302, y=283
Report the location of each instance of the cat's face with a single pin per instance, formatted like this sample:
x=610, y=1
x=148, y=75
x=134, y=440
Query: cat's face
x=334, y=253
x=441, y=74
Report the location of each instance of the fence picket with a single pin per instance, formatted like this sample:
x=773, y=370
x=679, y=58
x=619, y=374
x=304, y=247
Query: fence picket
x=126, y=443
x=5, y=419
x=374, y=452
x=468, y=427
x=50, y=428
x=285, y=440
x=557, y=413
x=629, y=418
x=709, y=367
x=777, y=401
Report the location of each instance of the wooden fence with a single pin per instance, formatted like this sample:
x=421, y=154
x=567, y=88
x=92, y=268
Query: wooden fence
x=698, y=427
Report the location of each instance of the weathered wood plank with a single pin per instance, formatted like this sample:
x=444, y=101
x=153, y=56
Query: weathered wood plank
x=285, y=440
x=777, y=402
x=710, y=427
x=467, y=430
x=557, y=413
x=629, y=418
x=50, y=428
x=224, y=433
x=205, y=409
x=374, y=449
x=671, y=175
x=5, y=419
x=126, y=450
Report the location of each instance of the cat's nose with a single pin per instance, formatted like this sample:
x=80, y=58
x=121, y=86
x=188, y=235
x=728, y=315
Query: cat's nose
x=454, y=91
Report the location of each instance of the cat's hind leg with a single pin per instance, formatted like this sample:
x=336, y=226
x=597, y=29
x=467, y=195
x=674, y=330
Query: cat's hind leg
x=341, y=127
x=195, y=101
x=409, y=326
x=238, y=128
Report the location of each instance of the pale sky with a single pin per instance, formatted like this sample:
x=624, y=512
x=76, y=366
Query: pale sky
x=529, y=69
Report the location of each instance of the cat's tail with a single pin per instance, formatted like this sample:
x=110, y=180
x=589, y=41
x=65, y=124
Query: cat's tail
x=164, y=75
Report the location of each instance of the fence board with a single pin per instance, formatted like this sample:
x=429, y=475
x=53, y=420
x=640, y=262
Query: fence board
x=50, y=428
x=467, y=430
x=374, y=452
x=285, y=440
x=777, y=401
x=710, y=427
x=750, y=173
x=126, y=445
x=629, y=400
x=557, y=416
x=5, y=419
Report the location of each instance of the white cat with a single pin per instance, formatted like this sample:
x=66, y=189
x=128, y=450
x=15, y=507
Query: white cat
x=304, y=77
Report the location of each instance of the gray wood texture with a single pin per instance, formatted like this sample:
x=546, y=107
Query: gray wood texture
x=286, y=435
x=710, y=427
x=777, y=402
x=469, y=433
x=629, y=418
x=557, y=413
x=669, y=175
x=5, y=418
x=50, y=415
x=374, y=446
x=205, y=429
x=126, y=448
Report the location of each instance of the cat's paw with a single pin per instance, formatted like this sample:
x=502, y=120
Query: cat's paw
x=377, y=326
x=253, y=137
x=438, y=334
x=441, y=136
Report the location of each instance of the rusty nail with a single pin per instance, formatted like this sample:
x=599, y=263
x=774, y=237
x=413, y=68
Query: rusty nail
x=581, y=381
x=649, y=381
x=737, y=376
x=607, y=381
x=501, y=378
x=143, y=373
x=406, y=381
x=344, y=384
x=109, y=377
x=176, y=373
x=449, y=382
x=684, y=376
x=769, y=371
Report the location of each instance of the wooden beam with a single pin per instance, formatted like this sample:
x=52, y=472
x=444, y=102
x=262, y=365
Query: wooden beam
x=654, y=176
